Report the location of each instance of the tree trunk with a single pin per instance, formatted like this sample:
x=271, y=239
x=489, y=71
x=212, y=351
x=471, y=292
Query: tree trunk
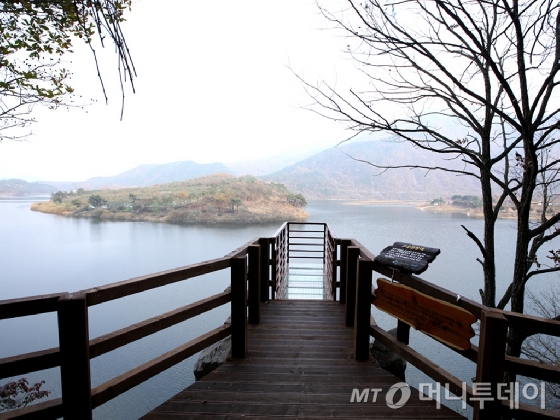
x=521, y=265
x=515, y=336
x=489, y=265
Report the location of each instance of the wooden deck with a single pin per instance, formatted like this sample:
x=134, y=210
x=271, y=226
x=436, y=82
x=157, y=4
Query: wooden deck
x=300, y=364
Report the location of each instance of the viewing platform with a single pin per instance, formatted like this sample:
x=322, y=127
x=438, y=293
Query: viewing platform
x=300, y=364
x=300, y=325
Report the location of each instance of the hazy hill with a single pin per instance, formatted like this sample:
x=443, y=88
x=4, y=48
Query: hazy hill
x=146, y=175
x=19, y=187
x=265, y=166
x=332, y=174
x=329, y=174
x=219, y=198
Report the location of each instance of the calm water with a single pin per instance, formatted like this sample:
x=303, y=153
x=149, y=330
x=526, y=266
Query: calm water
x=43, y=253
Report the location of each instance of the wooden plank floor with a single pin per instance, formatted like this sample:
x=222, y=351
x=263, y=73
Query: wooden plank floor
x=299, y=364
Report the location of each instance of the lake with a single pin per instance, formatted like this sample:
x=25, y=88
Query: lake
x=42, y=253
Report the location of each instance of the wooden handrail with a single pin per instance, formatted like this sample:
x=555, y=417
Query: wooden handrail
x=364, y=252
x=529, y=412
x=532, y=323
x=69, y=313
x=243, y=249
x=46, y=359
x=51, y=409
x=421, y=362
x=124, y=336
x=532, y=369
x=492, y=370
x=29, y=362
x=31, y=305
x=136, y=376
x=117, y=290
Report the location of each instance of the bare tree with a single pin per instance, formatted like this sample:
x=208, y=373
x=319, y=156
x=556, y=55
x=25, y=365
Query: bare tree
x=489, y=70
x=34, y=35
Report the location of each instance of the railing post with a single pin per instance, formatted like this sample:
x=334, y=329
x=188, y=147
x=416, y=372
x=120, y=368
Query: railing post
x=344, y=244
x=238, y=307
x=287, y=244
x=333, y=267
x=274, y=276
x=353, y=254
x=264, y=269
x=403, y=332
x=490, y=362
x=363, y=310
x=325, y=244
x=73, y=336
x=254, y=284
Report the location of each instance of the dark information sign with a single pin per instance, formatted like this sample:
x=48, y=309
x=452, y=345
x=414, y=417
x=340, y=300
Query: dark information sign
x=407, y=257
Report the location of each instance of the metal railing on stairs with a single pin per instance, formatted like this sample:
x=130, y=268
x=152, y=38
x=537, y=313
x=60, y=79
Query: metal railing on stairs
x=304, y=254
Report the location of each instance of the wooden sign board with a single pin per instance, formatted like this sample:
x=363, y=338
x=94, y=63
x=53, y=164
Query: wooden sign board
x=445, y=322
x=407, y=257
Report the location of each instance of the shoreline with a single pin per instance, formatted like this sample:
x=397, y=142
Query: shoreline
x=259, y=214
x=252, y=214
x=446, y=208
x=361, y=202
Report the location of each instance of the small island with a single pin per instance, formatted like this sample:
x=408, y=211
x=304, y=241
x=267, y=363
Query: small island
x=218, y=198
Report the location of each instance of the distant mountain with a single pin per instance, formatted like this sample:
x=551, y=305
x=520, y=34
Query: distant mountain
x=332, y=174
x=19, y=187
x=265, y=166
x=147, y=175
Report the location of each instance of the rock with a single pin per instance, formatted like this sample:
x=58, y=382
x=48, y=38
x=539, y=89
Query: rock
x=212, y=357
x=387, y=359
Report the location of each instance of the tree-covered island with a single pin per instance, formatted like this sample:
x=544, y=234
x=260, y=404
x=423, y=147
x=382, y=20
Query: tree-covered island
x=218, y=198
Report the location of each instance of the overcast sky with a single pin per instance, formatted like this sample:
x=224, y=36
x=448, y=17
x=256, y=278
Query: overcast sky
x=213, y=86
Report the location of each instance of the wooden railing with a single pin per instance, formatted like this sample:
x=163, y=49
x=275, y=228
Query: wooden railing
x=257, y=270
x=76, y=349
x=357, y=266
